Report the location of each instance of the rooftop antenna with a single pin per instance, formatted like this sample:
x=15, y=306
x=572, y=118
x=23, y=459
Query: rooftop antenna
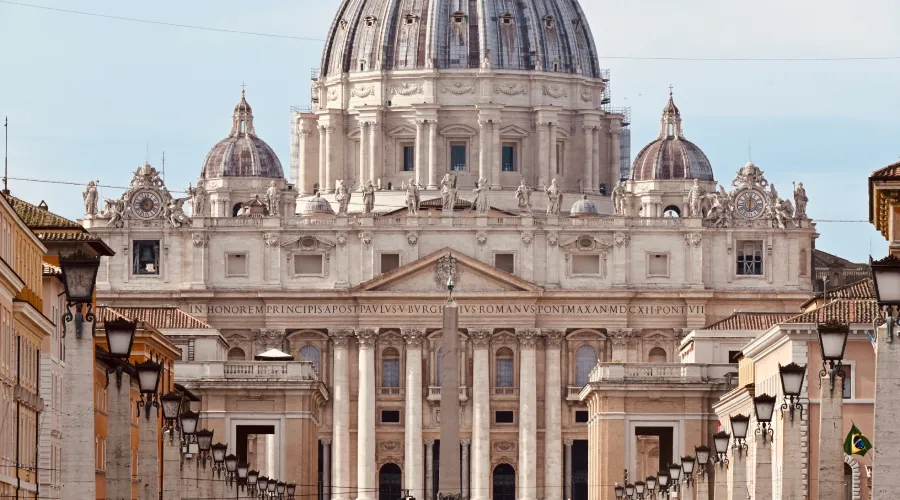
x=164, y=167
x=749, y=152
x=825, y=290
x=5, y=154
x=147, y=153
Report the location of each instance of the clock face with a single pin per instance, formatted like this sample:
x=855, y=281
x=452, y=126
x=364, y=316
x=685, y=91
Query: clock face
x=750, y=204
x=146, y=204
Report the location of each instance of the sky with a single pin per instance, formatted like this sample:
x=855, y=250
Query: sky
x=93, y=98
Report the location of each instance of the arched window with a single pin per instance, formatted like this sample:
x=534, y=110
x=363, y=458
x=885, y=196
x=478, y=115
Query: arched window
x=236, y=354
x=505, y=367
x=657, y=355
x=672, y=211
x=390, y=368
x=585, y=360
x=310, y=353
x=504, y=482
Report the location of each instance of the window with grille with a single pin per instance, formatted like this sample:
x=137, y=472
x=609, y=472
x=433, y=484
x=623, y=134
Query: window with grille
x=505, y=368
x=585, y=360
x=458, y=156
x=409, y=158
x=390, y=368
x=509, y=158
x=749, y=258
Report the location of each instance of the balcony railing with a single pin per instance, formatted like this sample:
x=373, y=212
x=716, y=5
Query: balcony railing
x=505, y=391
x=249, y=370
x=390, y=391
x=573, y=392
x=434, y=393
x=659, y=372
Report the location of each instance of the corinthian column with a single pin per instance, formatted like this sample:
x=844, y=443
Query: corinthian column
x=420, y=150
x=414, y=460
x=527, y=480
x=542, y=166
x=481, y=414
x=366, y=483
x=595, y=158
x=323, y=157
x=496, y=155
x=363, y=152
x=340, y=473
x=568, y=479
x=429, y=469
x=432, y=154
x=553, y=417
x=553, y=167
x=615, y=153
x=465, y=466
x=374, y=144
x=302, y=165
x=587, y=183
x=329, y=159
x=484, y=128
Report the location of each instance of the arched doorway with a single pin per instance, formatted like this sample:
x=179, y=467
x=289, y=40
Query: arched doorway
x=389, y=478
x=504, y=482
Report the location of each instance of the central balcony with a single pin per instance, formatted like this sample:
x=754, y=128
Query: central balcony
x=434, y=394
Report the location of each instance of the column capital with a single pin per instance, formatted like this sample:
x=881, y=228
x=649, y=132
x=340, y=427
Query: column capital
x=528, y=337
x=326, y=441
x=620, y=336
x=433, y=124
x=588, y=128
x=568, y=442
x=553, y=336
x=429, y=442
x=483, y=123
x=480, y=337
x=465, y=442
x=366, y=337
x=341, y=337
x=413, y=337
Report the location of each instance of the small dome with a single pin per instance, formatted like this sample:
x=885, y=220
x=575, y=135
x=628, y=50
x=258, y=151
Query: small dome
x=671, y=156
x=583, y=208
x=242, y=153
x=317, y=207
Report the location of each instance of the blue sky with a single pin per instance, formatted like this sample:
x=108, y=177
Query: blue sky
x=85, y=95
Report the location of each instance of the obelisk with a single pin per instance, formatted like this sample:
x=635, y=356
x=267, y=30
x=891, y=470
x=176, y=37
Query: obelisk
x=449, y=480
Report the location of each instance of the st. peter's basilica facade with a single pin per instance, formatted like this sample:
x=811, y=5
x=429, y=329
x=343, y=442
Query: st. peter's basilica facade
x=471, y=129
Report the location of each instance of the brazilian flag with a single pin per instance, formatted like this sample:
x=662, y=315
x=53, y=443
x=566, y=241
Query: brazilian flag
x=856, y=443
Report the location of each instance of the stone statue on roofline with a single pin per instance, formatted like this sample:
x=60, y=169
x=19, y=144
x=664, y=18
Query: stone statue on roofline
x=481, y=203
x=342, y=195
x=448, y=193
x=618, y=198
x=554, y=198
x=412, y=197
x=90, y=197
x=368, y=194
x=800, y=201
x=272, y=198
x=523, y=196
x=695, y=198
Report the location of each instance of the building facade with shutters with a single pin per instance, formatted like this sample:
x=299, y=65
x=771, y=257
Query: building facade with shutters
x=557, y=267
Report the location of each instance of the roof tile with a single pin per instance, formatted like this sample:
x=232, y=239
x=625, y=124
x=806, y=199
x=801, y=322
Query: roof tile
x=749, y=321
x=161, y=318
x=38, y=218
x=843, y=311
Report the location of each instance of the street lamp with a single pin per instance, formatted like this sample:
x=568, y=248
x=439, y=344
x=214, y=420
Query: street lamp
x=262, y=485
x=252, y=478
x=230, y=468
x=271, y=487
x=148, y=380
x=629, y=490
x=886, y=279
x=792, y=376
x=651, y=486
x=218, y=457
x=764, y=407
x=687, y=468
x=740, y=424
x=189, y=420
x=720, y=441
x=639, y=488
x=620, y=491
x=242, y=473
x=79, y=272
x=674, y=475
x=279, y=489
x=832, y=342
x=291, y=491
x=663, y=482
x=702, y=453
x=119, y=340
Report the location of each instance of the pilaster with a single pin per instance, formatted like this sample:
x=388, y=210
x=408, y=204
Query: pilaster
x=527, y=471
x=171, y=487
x=553, y=463
x=366, y=473
x=413, y=476
x=886, y=462
x=481, y=413
x=341, y=413
x=762, y=482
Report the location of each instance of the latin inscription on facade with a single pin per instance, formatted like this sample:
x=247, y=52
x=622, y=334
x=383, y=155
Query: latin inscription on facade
x=435, y=309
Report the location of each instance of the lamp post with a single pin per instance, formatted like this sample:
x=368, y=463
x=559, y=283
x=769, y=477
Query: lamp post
x=619, y=491
x=629, y=491
x=279, y=489
x=639, y=488
x=252, y=478
x=832, y=343
x=674, y=476
x=886, y=280
x=231, y=462
x=702, y=453
x=792, y=376
x=148, y=381
x=291, y=491
x=119, y=340
x=663, y=483
x=651, y=486
x=764, y=407
x=262, y=485
x=204, y=445
x=219, y=450
x=270, y=488
x=243, y=471
x=687, y=470
x=79, y=272
x=740, y=424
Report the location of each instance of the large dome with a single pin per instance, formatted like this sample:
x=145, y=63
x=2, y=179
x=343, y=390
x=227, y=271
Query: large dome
x=242, y=153
x=549, y=35
x=671, y=156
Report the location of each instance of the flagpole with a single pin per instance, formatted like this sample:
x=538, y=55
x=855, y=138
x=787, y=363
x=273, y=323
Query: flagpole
x=5, y=154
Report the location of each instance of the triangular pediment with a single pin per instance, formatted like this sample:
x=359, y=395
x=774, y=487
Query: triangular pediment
x=420, y=276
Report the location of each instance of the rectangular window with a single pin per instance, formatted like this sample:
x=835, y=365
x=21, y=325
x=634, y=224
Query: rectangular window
x=409, y=158
x=308, y=265
x=504, y=417
x=505, y=262
x=586, y=265
x=734, y=356
x=509, y=158
x=749, y=258
x=145, y=257
x=390, y=372
x=559, y=158
x=657, y=265
x=236, y=264
x=505, y=373
x=581, y=417
x=458, y=156
x=390, y=417
x=389, y=262
x=848, y=382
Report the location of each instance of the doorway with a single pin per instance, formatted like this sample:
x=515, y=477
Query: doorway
x=504, y=482
x=654, y=449
x=579, y=469
x=389, y=480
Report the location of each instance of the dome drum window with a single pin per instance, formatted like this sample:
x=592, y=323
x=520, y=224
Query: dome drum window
x=458, y=17
x=370, y=21
x=411, y=19
x=549, y=22
x=506, y=19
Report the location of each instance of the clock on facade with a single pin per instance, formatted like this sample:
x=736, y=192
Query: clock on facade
x=750, y=203
x=146, y=204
